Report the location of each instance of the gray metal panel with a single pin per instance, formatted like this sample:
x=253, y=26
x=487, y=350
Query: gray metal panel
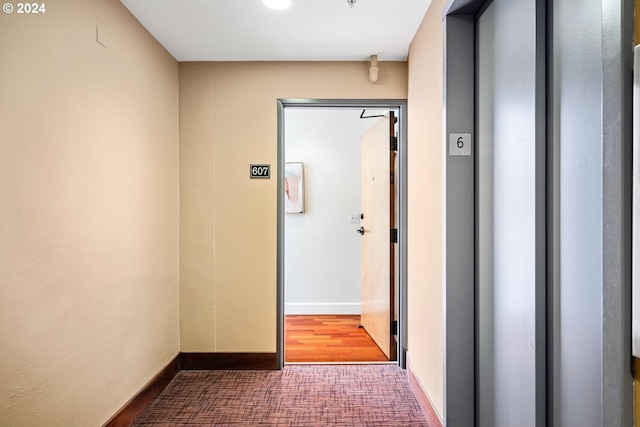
x=280, y=241
x=511, y=215
x=485, y=344
x=577, y=90
x=591, y=89
x=617, y=36
x=402, y=234
x=462, y=7
x=458, y=221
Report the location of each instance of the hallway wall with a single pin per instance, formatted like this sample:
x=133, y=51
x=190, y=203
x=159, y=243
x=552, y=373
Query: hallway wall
x=228, y=120
x=88, y=213
x=425, y=206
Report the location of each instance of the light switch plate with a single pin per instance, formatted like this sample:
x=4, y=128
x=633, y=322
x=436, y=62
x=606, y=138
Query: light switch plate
x=354, y=217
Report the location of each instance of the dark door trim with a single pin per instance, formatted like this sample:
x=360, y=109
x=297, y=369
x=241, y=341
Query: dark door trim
x=459, y=214
x=401, y=106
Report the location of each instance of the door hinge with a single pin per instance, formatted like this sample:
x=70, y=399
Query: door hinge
x=394, y=235
x=394, y=143
x=394, y=327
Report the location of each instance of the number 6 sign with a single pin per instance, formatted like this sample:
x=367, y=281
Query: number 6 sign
x=459, y=144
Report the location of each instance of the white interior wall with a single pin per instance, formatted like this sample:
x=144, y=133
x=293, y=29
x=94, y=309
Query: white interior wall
x=322, y=249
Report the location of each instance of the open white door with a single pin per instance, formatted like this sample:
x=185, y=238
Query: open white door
x=378, y=224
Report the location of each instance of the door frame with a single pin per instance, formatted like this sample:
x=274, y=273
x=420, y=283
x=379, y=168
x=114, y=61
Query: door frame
x=460, y=227
x=401, y=189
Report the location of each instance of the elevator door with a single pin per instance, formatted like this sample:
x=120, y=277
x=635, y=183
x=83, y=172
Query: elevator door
x=510, y=376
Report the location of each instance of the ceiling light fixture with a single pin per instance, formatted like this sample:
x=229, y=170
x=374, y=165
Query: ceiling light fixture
x=351, y=3
x=277, y=4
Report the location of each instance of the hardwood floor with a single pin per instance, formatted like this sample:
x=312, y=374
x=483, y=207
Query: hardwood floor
x=328, y=338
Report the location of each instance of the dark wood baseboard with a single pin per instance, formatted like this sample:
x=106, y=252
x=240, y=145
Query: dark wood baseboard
x=141, y=401
x=231, y=361
x=423, y=400
x=187, y=362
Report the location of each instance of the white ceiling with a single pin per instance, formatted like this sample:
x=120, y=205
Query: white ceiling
x=311, y=30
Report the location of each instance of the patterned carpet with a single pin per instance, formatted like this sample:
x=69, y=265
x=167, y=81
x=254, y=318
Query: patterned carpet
x=299, y=395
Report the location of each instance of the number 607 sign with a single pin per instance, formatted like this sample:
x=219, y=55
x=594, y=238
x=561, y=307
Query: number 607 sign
x=260, y=171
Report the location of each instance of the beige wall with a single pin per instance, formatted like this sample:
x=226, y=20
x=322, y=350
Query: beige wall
x=425, y=199
x=88, y=213
x=228, y=222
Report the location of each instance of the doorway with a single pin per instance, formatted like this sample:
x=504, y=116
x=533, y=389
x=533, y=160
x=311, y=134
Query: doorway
x=319, y=245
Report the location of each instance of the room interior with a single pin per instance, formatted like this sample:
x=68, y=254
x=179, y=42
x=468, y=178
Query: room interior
x=321, y=247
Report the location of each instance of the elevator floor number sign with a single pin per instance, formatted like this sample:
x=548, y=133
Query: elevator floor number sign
x=459, y=144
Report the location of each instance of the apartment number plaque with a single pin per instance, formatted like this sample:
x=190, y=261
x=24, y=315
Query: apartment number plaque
x=260, y=171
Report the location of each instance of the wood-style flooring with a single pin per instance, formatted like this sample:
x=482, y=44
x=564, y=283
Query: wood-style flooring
x=328, y=338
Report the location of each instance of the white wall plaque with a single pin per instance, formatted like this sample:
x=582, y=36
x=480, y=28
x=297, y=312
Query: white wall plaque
x=459, y=144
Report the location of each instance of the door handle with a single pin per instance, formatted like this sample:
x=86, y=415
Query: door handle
x=360, y=230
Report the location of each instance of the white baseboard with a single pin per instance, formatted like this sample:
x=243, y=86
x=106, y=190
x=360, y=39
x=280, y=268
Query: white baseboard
x=322, y=308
